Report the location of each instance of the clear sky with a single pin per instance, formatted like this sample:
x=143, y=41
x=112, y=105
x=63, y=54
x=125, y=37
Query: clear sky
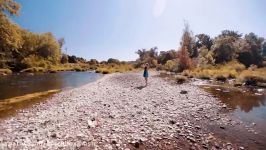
x=117, y=28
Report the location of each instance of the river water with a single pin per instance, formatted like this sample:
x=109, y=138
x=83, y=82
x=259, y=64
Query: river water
x=246, y=103
x=19, y=85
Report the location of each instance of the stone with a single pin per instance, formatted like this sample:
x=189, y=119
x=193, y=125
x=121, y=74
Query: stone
x=183, y=92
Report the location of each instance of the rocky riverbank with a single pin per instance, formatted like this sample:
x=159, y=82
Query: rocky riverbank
x=117, y=112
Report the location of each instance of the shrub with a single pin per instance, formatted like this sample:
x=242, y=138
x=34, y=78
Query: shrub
x=5, y=71
x=171, y=65
x=180, y=79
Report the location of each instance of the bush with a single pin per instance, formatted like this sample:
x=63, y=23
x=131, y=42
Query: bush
x=180, y=79
x=5, y=71
x=253, y=76
x=171, y=65
x=35, y=61
x=221, y=78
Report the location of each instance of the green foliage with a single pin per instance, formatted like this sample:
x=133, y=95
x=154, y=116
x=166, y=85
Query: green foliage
x=264, y=50
x=35, y=61
x=112, y=60
x=206, y=56
x=93, y=62
x=171, y=65
x=164, y=56
x=203, y=40
x=224, y=47
x=148, y=56
x=250, y=50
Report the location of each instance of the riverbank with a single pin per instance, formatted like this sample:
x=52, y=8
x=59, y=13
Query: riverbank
x=118, y=112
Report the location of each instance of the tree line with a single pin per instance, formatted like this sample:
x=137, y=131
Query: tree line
x=20, y=49
x=201, y=49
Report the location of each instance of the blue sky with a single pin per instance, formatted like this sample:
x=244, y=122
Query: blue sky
x=117, y=28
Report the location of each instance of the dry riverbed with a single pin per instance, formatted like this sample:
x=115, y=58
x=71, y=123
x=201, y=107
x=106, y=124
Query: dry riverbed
x=117, y=112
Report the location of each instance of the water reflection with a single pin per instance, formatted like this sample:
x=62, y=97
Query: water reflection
x=17, y=85
x=245, y=100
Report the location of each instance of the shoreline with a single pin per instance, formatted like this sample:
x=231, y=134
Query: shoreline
x=117, y=112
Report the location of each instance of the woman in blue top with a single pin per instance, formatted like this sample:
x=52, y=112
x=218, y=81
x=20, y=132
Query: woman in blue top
x=145, y=73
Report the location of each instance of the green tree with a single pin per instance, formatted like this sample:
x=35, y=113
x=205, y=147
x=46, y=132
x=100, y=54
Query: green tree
x=49, y=48
x=204, y=40
x=264, y=50
x=224, y=46
x=250, y=50
x=147, y=56
x=113, y=61
x=164, y=56
x=206, y=56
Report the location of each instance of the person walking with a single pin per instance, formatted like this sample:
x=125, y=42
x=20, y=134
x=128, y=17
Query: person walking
x=146, y=73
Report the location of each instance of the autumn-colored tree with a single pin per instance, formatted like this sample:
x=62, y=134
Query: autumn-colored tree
x=185, y=62
x=10, y=7
x=10, y=40
x=188, y=42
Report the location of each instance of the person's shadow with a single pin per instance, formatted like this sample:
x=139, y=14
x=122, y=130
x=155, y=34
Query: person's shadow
x=141, y=87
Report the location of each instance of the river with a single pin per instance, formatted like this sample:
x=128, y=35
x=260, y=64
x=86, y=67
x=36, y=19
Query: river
x=19, y=85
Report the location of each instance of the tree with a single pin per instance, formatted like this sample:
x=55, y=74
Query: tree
x=264, y=50
x=171, y=65
x=185, y=62
x=10, y=40
x=113, y=61
x=49, y=48
x=64, y=59
x=250, y=50
x=61, y=42
x=188, y=42
x=206, y=56
x=9, y=6
x=224, y=46
x=147, y=56
x=164, y=56
x=203, y=40
x=231, y=33
x=93, y=62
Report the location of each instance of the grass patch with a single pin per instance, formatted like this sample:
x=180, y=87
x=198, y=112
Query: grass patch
x=112, y=68
x=253, y=76
x=219, y=72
